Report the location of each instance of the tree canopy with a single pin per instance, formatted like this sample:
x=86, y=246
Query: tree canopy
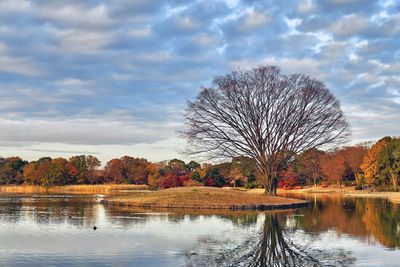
x=265, y=115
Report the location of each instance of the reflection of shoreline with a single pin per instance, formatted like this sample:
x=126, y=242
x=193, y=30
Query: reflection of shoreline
x=187, y=211
x=360, y=217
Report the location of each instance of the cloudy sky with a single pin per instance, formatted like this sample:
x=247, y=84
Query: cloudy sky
x=111, y=78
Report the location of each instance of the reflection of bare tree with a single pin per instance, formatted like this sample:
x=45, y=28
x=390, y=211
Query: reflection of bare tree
x=273, y=247
x=274, y=250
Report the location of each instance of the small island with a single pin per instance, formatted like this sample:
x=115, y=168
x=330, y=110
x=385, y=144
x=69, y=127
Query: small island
x=204, y=198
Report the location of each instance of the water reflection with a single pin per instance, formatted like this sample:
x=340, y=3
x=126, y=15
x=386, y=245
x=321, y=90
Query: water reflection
x=44, y=211
x=334, y=231
x=367, y=218
x=274, y=249
x=273, y=246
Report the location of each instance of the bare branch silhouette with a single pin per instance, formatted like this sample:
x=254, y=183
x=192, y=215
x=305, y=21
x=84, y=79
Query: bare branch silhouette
x=264, y=115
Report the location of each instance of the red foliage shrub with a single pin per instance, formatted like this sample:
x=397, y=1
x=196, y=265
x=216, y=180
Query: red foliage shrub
x=288, y=179
x=172, y=180
x=209, y=182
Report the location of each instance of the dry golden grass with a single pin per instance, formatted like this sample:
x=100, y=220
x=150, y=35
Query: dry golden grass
x=346, y=191
x=73, y=189
x=203, y=198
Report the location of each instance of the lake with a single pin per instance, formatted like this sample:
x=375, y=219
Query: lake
x=332, y=231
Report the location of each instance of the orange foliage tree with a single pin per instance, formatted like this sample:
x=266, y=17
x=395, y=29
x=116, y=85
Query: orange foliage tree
x=370, y=165
x=333, y=166
x=354, y=156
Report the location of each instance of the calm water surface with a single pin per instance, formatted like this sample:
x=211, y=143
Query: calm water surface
x=333, y=231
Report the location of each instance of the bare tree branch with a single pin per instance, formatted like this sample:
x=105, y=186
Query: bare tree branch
x=264, y=115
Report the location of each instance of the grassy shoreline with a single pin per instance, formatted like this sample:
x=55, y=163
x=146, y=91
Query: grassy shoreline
x=345, y=191
x=207, y=198
x=70, y=189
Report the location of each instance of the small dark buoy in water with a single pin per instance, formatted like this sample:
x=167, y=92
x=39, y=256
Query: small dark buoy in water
x=95, y=227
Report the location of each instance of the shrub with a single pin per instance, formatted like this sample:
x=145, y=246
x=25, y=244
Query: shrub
x=250, y=185
x=209, y=182
x=288, y=179
x=349, y=183
x=238, y=183
x=195, y=176
x=172, y=180
x=358, y=187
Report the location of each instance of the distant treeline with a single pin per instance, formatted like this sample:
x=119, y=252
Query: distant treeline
x=371, y=165
x=85, y=169
x=362, y=165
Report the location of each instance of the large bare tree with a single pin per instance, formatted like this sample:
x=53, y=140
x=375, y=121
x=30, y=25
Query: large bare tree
x=265, y=115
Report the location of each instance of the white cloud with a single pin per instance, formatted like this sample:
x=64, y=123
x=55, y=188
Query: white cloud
x=186, y=23
x=306, y=6
x=83, y=42
x=288, y=65
x=87, y=131
x=11, y=6
x=18, y=65
x=204, y=39
x=254, y=20
x=140, y=33
x=349, y=25
x=76, y=15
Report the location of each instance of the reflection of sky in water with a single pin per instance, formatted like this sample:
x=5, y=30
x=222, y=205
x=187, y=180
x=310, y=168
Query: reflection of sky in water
x=46, y=233
x=366, y=252
x=156, y=238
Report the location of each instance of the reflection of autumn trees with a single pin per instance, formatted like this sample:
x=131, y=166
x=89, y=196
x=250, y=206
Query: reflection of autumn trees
x=77, y=212
x=335, y=213
x=10, y=210
x=383, y=221
x=353, y=216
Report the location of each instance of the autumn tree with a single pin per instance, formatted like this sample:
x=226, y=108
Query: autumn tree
x=288, y=178
x=29, y=173
x=265, y=115
x=11, y=170
x=128, y=170
x=154, y=175
x=35, y=171
x=308, y=165
x=134, y=170
x=84, y=167
x=92, y=165
x=57, y=174
x=176, y=166
x=333, y=166
x=113, y=171
x=354, y=156
x=370, y=165
x=389, y=162
x=192, y=166
x=235, y=174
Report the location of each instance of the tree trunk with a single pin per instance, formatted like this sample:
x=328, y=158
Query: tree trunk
x=394, y=181
x=270, y=185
